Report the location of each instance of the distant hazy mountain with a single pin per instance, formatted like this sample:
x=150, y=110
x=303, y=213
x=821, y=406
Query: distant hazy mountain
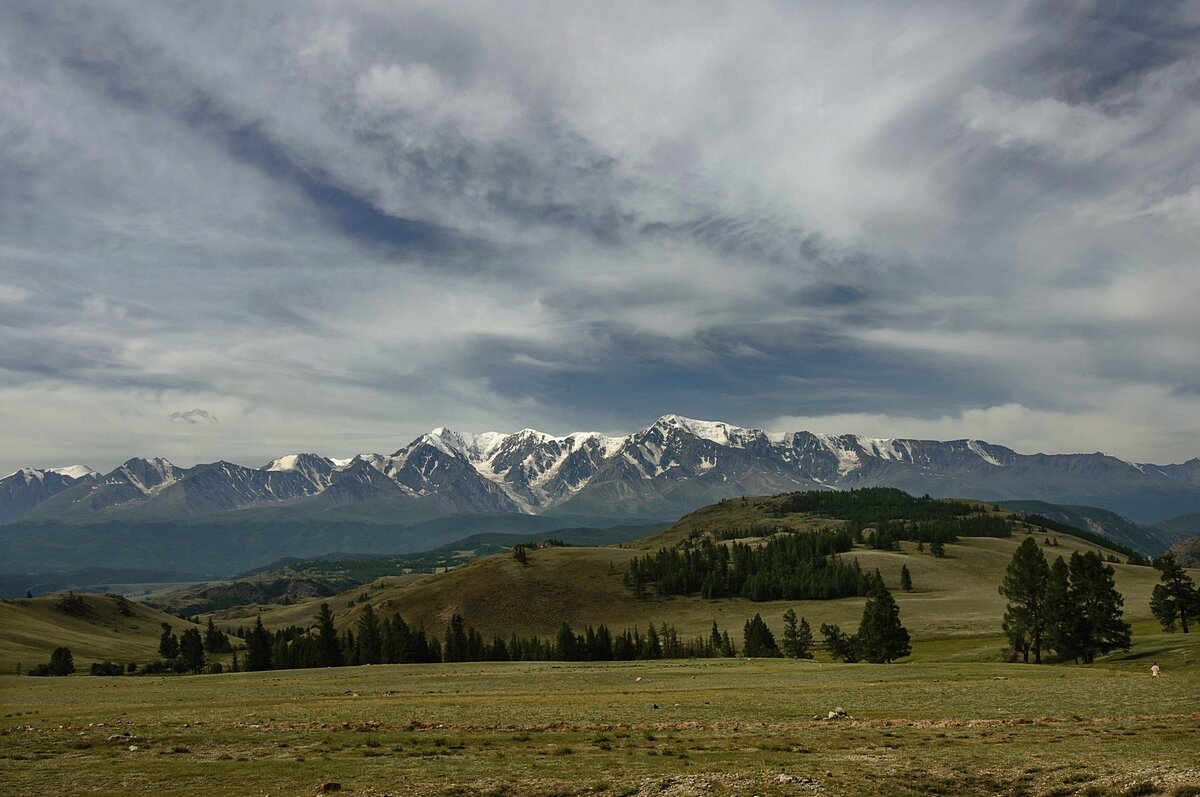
x=669, y=468
x=1147, y=539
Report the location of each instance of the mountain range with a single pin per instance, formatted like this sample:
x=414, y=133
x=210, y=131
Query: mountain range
x=667, y=469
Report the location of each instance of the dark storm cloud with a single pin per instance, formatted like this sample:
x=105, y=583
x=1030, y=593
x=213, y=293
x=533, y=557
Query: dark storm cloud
x=332, y=223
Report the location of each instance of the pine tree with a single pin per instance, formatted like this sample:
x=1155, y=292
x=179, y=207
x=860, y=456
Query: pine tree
x=191, y=650
x=62, y=662
x=759, y=641
x=329, y=650
x=804, y=640
x=168, y=643
x=258, y=648
x=214, y=640
x=841, y=646
x=905, y=579
x=1176, y=597
x=1061, y=631
x=938, y=548
x=881, y=638
x=1025, y=584
x=791, y=635
x=370, y=639
x=1088, y=619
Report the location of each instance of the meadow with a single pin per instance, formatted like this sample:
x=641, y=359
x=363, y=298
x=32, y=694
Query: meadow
x=945, y=722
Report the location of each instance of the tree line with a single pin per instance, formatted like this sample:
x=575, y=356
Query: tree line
x=786, y=567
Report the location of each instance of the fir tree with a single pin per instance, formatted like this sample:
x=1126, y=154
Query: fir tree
x=191, y=650
x=370, y=639
x=841, y=646
x=881, y=638
x=1083, y=607
x=214, y=640
x=759, y=641
x=1175, y=599
x=258, y=648
x=168, y=643
x=61, y=662
x=804, y=640
x=330, y=651
x=1025, y=584
x=791, y=635
x=905, y=579
x=455, y=648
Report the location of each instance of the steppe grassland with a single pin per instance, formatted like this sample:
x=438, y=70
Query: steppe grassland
x=687, y=727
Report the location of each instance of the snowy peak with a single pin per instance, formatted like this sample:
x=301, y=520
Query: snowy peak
x=147, y=475
x=317, y=470
x=73, y=471
x=668, y=468
x=713, y=431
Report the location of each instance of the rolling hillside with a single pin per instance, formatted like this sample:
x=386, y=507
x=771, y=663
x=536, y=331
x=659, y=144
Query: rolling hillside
x=109, y=629
x=955, y=596
x=954, y=609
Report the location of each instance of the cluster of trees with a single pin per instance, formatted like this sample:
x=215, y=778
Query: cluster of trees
x=61, y=663
x=786, y=567
x=1071, y=608
x=881, y=637
x=1175, y=598
x=186, y=652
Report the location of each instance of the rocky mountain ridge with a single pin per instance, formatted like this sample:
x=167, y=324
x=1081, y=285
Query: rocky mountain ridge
x=669, y=468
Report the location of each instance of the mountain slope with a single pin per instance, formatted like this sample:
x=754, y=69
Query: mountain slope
x=1147, y=539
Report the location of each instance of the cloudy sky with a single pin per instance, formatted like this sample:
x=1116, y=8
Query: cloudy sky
x=233, y=230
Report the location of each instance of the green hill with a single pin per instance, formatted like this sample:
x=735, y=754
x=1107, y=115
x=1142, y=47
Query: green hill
x=953, y=598
x=952, y=613
x=108, y=628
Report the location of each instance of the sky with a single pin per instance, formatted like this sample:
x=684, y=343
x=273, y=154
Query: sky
x=240, y=230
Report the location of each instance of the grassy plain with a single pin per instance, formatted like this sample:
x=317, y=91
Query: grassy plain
x=934, y=725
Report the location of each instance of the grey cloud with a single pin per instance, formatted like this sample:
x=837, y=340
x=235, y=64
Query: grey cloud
x=388, y=217
x=195, y=416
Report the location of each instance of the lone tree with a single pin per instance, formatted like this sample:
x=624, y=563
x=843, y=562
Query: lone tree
x=62, y=662
x=881, y=638
x=905, y=579
x=1025, y=584
x=1175, y=598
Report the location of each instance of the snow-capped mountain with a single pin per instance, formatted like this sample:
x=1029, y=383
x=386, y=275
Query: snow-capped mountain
x=28, y=487
x=669, y=468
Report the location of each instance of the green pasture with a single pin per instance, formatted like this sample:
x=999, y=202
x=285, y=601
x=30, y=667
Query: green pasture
x=939, y=724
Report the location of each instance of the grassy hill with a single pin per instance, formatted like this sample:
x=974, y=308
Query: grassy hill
x=954, y=598
x=109, y=629
x=953, y=612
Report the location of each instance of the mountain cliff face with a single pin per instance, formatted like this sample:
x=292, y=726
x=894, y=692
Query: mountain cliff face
x=667, y=469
